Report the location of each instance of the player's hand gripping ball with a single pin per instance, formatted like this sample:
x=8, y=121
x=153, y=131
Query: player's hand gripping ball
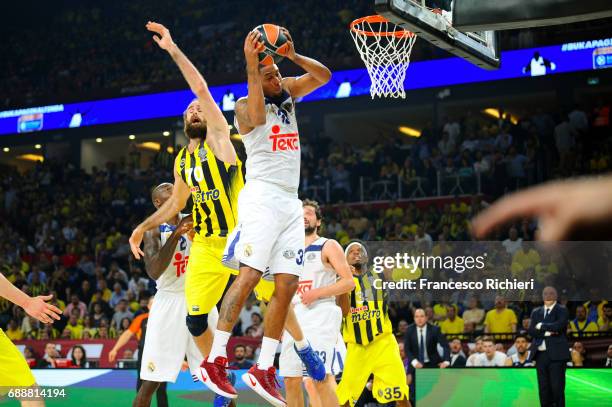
x=275, y=43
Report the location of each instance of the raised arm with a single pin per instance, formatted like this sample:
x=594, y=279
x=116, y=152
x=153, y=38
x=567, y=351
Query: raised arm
x=174, y=204
x=36, y=307
x=316, y=74
x=255, y=113
x=218, y=131
x=333, y=254
x=158, y=257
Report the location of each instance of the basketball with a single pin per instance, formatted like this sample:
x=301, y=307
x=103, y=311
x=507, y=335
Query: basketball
x=275, y=42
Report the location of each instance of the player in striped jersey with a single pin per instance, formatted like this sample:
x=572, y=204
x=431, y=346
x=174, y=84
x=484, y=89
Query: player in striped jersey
x=209, y=171
x=372, y=347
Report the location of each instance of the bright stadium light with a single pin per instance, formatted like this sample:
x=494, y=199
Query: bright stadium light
x=131, y=137
x=6, y=149
x=409, y=131
x=495, y=113
x=38, y=146
x=98, y=140
x=166, y=133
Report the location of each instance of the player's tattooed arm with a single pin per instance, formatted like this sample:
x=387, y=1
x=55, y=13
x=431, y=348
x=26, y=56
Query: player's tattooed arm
x=256, y=108
x=158, y=257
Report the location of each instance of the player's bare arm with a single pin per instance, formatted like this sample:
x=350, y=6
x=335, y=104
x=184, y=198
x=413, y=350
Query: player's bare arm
x=170, y=208
x=121, y=342
x=561, y=207
x=256, y=108
x=36, y=307
x=333, y=255
x=218, y=131
x=343, y=302
x=316, y=74
x=158, y=257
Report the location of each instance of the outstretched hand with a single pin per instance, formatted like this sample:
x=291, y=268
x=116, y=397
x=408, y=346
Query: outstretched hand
x=38, y=308
x=163, y=37
x=135, y=241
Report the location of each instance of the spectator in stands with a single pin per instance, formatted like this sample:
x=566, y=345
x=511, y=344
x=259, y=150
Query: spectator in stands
x=605, y=321
x=118, y=295
x=457, y=357
x=513, y=242
x=137, y=280
x=49, y=358
x=476, y=352
x=452, y=325
x=14, y=332
x=121, y=313
x=247, y=311
x=522, y=356
x=402, y=328
x=240, y=361
x=123, y=326
x=79, y=357
x=74, y=327
x=609, y=357
x=490, y=356
x=249, y=353
x=500, y=320
x=474, y=316
x=86, y=292
x=76, y=303
x=424, y=237
x=581, y=326
x=578, y=354
x=256, y=328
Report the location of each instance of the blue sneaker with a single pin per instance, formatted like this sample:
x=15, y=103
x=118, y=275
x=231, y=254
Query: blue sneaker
x=312, y=361
x=221, y=401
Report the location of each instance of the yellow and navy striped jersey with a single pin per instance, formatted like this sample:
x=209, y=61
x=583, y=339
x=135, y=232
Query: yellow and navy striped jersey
x=368, y=316
x=214, y=188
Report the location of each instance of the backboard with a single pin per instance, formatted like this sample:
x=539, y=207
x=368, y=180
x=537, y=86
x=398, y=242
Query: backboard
x=433, y=24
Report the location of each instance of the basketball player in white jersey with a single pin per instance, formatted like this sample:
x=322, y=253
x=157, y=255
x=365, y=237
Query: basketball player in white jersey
x=326, y=274
x=166, y=252
x=270, y=230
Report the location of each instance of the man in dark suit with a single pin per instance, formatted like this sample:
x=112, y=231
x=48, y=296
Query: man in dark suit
x=550, y=348
x=421, y=347
x=457, y=357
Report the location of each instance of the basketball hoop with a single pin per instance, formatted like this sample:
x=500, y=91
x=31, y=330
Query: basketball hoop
x=385, y=49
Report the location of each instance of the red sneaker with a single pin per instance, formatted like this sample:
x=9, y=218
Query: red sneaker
x=215, y=378
x=264, y=383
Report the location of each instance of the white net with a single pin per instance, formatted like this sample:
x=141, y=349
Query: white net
x=385, y=49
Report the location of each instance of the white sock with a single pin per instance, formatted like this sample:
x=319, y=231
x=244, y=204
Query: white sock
x=303, y=344
x=219, y=346
x=267, y=352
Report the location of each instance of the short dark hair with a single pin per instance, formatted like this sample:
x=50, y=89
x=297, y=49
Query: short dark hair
x=489, y=339
x=522, y=335
x=240, y=345
x=315, y=205
x=607, y=305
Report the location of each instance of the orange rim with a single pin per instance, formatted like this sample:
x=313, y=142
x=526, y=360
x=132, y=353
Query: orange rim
x=400, y=33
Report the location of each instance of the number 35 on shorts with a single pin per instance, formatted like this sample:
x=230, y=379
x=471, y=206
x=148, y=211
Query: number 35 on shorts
x=390, y=393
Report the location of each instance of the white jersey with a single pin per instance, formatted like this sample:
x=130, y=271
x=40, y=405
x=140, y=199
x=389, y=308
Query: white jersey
x=315, y=273
x=173, y=279
x=273, y=149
